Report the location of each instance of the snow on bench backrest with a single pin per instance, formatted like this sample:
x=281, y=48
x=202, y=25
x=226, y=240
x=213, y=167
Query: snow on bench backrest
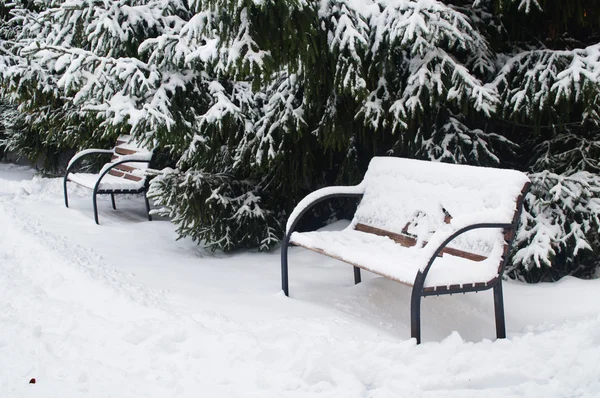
x=416, y=198
x=127, y=148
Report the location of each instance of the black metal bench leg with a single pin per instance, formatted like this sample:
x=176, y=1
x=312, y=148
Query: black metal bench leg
x=284, y=267
x=415, y=315
x=65, y=192
x=356, y=275
x=112, y=199
x=147, y=207
x=95, y=207
x=499, y=310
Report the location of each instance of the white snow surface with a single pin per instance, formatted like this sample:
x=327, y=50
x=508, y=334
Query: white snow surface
x=397, y=190
x=383, y=256
x=124, y=310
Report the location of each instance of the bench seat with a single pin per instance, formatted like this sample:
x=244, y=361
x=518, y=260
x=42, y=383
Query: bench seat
x=382, y=256
x=108, y=183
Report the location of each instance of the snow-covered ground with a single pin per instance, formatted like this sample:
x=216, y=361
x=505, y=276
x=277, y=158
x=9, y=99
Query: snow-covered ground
x=124, y=310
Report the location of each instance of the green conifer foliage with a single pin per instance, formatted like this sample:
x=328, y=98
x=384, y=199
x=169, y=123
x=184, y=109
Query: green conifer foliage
x=263, y=101
x=549, y=83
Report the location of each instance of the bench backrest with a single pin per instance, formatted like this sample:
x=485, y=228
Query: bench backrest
x=415, y=198
x=127, y=147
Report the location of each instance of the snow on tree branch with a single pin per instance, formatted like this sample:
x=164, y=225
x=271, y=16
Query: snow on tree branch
x=428, y=81
x=525, y=5
x=423, y=26
x=548, y=225
x=281, y=115
x=455, y=142
x=531, y=81
x=348, y=39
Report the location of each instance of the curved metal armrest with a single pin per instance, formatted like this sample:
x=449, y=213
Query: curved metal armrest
x=422, y=274
x=86, y=152
x=111, y=166
x=318, y=196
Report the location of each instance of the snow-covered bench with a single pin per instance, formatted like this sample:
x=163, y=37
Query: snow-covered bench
x=440, y=228
x=124, y=174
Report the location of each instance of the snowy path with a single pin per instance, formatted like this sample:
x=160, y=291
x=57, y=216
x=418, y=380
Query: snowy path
x=122, y=310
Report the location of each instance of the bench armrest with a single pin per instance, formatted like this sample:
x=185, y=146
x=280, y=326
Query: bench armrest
x=109, y=166
x=318, y=196
x=86, y=152
x=441, y=238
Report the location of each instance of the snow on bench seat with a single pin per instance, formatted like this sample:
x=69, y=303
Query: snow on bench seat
x=382, y=256
x=109, y=182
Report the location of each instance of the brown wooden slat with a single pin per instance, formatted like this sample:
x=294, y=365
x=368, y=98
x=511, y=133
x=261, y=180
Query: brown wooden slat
x=506, y=250
x=116, y=173
x=132, y=177
x=463, y=254
x=124, y=151
x=127, y=176
x=408, y=241
x=444, y=289
x=126, y=168
x=509, y=233
x=404, y=240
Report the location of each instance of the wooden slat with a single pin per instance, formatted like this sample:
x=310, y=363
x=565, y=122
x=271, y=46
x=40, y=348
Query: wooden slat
x=440, y=289
x=408, y=241
x=132, y=177
x=126, y=168
x=127, y=176
x=124, y=151
x=509, y=234
x=116, y=173
x=404, y=240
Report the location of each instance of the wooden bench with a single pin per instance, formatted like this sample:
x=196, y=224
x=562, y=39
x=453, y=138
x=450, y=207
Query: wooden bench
x=124, y=174
x=440, y=228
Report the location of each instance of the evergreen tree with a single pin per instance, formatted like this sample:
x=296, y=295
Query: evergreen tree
x=549, y=84
x=264, y=101
x=6, y=33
